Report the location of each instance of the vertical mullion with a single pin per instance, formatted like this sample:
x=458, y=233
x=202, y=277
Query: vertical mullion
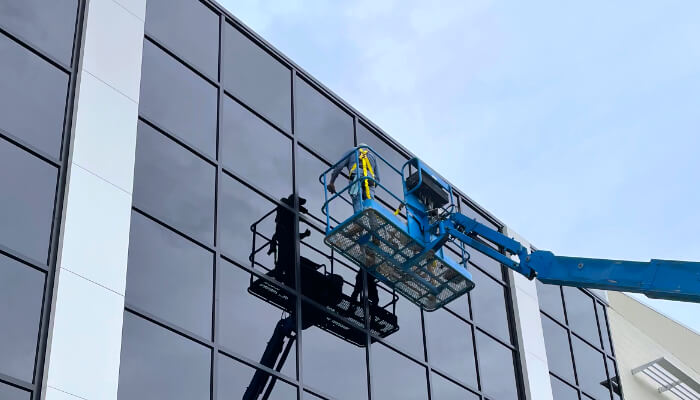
x=297, y=244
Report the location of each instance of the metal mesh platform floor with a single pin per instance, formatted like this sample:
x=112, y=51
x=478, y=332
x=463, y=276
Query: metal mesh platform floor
x=374, y=242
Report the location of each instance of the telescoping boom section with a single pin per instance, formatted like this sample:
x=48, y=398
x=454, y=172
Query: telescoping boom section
x=405, y=247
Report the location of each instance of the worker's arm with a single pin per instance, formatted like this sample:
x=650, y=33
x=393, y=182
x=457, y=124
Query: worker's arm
x=339, y=168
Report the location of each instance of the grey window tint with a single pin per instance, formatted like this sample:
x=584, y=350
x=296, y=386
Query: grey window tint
x=581, y=313
x=489, y=305
x=321, y=124
x=169, y=276
x=409, y=337
x=189, y=28
x=450, y=345
x=497, y=368
x=333, y=365
x=239, y=208
x=556, y=341
x=49, y=25
x=389, y=178
x=8, y=392
x=21, y=292
x=615, y=380
x=32, y=96
x=161, y=365
x=255, y=150
x=177, y=99
x=549, y=297
x=562, y=391
x=173, y=184
x=308, y=169
x=256, y=78
x=397, y=376
x=460, y=305
x=590, y=368
x=246, y=322
x=444, y=389
x=235, y=378
x=26, y=206
x=485, y=263
x=603, y=323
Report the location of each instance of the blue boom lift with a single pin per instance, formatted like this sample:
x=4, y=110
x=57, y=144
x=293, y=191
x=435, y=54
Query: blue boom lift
x=407, y=252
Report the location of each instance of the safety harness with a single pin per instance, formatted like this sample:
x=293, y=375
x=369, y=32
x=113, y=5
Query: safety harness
x=366, y=167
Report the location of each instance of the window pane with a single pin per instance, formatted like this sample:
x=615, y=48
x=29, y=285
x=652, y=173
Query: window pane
x=581, y=313
x=170, y=276
x=21, y=293
x=388, y=177
x=409, y=337
x=614, y=378
x=173, y=184
x=255, y=150
x=49, y=25
x=333, y=365
x=189, y=28
x=257, y=79
x=236, y=378
x=26, y=206
x=159, y=364
x=556, y=341
x=177, y=99
x=396, y=377
x=489, y=305
x=32, y=96
x=246, y=322
x=497, y=368
x=590, y=368
x=549, y=297
x=8, y=392
x=321, y=124
x=444, y=389
x=450, y=345
x=603, y=323
x=562, y=391
x=308, y=169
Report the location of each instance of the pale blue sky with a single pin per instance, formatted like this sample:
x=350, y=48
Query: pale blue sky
x=576, y=124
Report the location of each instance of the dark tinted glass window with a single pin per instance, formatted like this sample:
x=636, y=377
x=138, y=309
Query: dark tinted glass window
x=26, y=205
x=590, y=368
x=388, y=177
x=444, y=389
x=49, y=25
x=170, y=276
x=603, y=323
x=497, y=368
x=21, y=289
x=397, y=376
x=409, y=337
x=562, y=391
x=255, y=150
x=177, y=99
x=32, y=95
x=8, y=392
x=489, y=305
x=159, y=364
x=321, y=124
x=450, y=345
x=556, y=341
x=189, y=28
x=580, y=310
x=333, y=365
x=549, y=297
x=258, y=79
x=308, y=169
x=246, y=322
x=235, y=378
x=173, y=184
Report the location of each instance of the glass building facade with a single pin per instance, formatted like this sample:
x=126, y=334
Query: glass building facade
x=223, y=295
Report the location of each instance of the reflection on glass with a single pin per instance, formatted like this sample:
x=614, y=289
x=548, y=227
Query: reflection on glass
x=161, y=365
x=33, y=97
x=21, y=292
x=549, y=297
x=562, y=391
x=173, y=184
x=8, y=392
x=603, y=322
x=556, y=341
x=397, y=377
x=497, y=368
x=49, y=25
x=581, y=314
x=614, y=379
x=409, y=337
x=187, y=27
x=489, y=305
x=450, y=345
x=590, y=368
x=444, y=389
x=169, y=276
x=308, y=169
x=235, y=382
x=26, y=203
